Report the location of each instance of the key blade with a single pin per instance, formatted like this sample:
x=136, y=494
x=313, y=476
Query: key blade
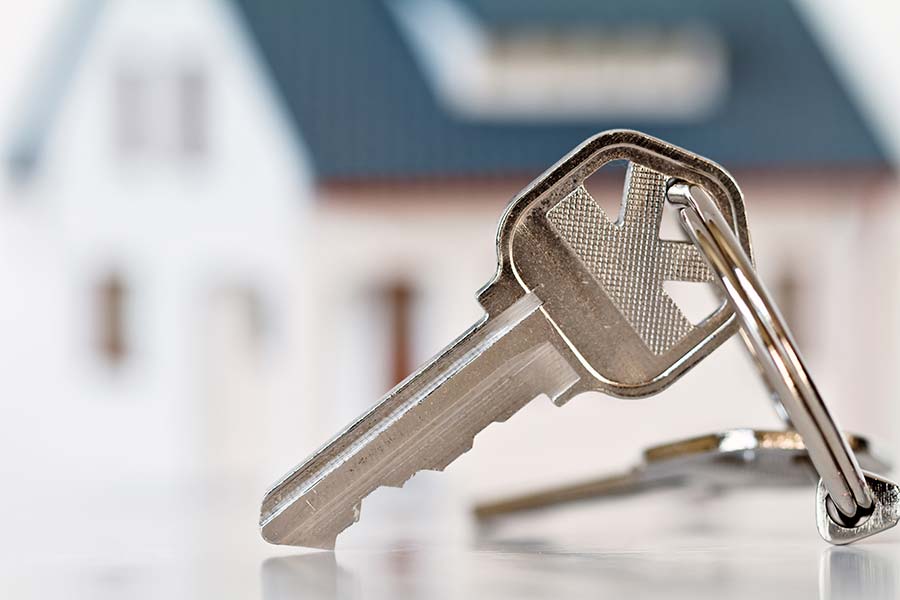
x=424, y=423
x=612, y=486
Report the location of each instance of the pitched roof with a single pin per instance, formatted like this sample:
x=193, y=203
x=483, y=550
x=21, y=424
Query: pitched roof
x=52, y=80
x=364, y=108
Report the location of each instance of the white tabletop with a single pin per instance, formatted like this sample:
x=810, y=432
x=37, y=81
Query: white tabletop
x=168, y=541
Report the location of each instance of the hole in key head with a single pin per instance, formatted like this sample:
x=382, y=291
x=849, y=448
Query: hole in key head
x=670, y=228
x=696, y=300
x=843, y=520
x=605, y=187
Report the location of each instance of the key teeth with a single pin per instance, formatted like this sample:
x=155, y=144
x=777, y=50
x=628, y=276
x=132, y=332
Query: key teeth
x=299, y=512
x=315, y=542
x=500, y=419
x=564, y=396
x=435, y=468
x=394, y=483
x=328, y=543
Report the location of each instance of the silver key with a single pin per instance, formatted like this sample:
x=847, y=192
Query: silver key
x=576, y=304
x=729, y=460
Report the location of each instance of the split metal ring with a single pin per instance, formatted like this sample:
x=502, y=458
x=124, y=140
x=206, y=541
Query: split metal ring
x=771, y=344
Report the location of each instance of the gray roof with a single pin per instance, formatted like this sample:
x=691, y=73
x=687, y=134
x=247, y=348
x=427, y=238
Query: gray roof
x=363, y=106
x=365, y=110
x=50, y=83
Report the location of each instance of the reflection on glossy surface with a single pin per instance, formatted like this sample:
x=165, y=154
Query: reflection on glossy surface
x=314, y=575
x=165, y=542
x=533, y=571
x=663, y=545
x=858, y=572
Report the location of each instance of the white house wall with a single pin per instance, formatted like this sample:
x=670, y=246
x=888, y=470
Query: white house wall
x=818, y=227
x=191, y=235
x=179, y=230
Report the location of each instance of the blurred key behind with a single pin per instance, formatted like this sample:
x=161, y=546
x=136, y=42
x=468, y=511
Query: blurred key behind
x=227, y=227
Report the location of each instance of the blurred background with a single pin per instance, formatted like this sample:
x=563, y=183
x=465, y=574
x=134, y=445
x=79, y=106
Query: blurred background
x=227, y=227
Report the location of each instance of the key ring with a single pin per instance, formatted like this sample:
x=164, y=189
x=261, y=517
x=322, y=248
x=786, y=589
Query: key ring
x=771, y=344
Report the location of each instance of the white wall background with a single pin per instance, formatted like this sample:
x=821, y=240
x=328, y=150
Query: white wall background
x=187, y=237
x=181, y=231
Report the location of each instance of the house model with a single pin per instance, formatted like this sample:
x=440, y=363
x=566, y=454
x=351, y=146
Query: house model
x=236, y=224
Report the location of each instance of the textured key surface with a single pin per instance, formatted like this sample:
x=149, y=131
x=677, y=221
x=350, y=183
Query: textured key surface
x=885, y=514
x=425, y=423
x=601, y=281
x=628, y=258
x=576, y=304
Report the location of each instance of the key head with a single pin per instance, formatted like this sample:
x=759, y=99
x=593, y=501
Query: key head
x=746, y=458
x=600, y=278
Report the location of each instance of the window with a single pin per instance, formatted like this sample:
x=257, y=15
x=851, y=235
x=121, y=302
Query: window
x=399, y=300
x=670, y=73
x=160, y=112
x=240, y=317
x=131, y=108
x=111, y=304
x=192, y=112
